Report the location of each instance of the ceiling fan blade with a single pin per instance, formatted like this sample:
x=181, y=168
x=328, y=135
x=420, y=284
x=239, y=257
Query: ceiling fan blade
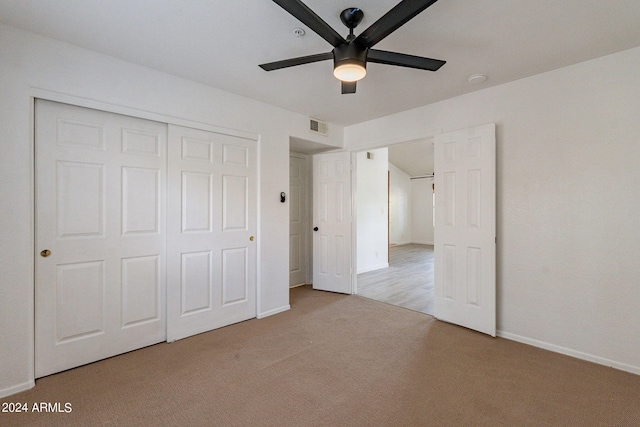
x=404, y=60
x=308, y=17
x=348, y=87
x=392, y=20
x=292, y=62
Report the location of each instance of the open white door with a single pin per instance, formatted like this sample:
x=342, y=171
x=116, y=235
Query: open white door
x=332, y=222
x=465, y=233
x=212, y=220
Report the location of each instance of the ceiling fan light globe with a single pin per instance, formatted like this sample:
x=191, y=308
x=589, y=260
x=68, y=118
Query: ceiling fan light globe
x=349, y=72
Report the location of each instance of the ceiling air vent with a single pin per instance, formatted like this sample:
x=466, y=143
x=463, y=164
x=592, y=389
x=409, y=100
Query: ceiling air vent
x=316, y=126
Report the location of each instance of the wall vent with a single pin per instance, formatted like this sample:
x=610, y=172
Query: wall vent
x=319, y=127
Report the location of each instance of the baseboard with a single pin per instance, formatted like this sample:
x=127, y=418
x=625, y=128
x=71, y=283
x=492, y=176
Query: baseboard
x=17, y=388
x=375, y=267
x=274, y=311
x=422, y=243
x=569, y=352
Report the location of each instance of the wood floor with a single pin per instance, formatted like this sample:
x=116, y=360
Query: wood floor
x=408, y=282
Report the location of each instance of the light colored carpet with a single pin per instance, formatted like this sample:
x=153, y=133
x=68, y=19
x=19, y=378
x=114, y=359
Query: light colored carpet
x=336, y=360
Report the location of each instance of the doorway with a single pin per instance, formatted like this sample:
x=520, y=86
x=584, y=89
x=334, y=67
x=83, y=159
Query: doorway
x=300, y=199
x=464, y=234
x=405, y=191
x=299, y=217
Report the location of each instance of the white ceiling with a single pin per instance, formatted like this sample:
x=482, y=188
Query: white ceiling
x=415, y=158
x=220, y=43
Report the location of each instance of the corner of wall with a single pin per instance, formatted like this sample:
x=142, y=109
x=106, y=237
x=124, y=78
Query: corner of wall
x=273, y=311
x=17, y=388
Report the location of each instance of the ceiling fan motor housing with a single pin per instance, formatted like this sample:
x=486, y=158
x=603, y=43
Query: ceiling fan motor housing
x=350, y=54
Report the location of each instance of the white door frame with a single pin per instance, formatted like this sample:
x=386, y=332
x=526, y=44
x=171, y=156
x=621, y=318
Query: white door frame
x=47, y=95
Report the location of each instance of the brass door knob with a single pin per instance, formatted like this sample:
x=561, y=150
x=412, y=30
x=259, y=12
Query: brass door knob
x=45, y=253
x=251, y=238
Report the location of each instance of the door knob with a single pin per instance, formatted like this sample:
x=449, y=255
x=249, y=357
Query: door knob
x=251, y=238
x=45, y=253
x=315, y=228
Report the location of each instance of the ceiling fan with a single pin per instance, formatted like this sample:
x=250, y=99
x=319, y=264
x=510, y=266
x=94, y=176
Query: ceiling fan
x=350, y=55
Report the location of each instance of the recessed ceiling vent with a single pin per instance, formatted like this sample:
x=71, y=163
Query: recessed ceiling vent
x=319, y=127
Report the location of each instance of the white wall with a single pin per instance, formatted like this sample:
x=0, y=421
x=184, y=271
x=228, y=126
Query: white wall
x=422, y=211
x=372, y=210
x=32, y=64
x=400, y=206
x=568, y=211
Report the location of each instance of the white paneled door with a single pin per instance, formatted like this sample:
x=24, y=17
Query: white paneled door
x=465, y=232
x=100, y=235
x=137, y=240
x=332, y=223
x=211, y=241
x=298, y=220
